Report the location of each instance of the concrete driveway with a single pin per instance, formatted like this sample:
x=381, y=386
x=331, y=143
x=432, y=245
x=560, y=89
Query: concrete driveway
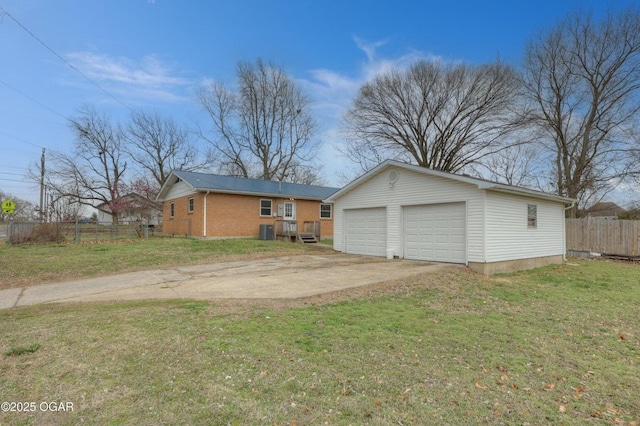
x=279, y=277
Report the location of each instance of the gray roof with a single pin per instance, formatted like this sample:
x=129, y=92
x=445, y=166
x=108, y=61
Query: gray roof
x=240, y=185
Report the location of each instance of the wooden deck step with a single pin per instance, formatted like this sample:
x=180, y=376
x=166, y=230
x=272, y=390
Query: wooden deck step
x=307, y=238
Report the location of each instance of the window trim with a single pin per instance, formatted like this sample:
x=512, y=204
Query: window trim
x=532, y=216
x=270, y=207
x=192, y=205
x=330, y=211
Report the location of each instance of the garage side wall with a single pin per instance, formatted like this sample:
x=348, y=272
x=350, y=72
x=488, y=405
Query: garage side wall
x=412, y=188
x=508, y=227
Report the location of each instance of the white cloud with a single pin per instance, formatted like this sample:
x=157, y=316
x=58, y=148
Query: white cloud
x=147, y=79
x=369, y=48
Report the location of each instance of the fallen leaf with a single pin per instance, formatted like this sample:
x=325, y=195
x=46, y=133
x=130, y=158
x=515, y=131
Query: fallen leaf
x=562, y=409
x=549, y=387
x=479, y=386
x=378, y=402
x=622, y=336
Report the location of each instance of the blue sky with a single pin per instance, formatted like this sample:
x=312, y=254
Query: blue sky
x=154, y=54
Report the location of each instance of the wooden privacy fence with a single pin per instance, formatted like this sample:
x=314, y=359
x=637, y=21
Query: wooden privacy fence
x=614, y=237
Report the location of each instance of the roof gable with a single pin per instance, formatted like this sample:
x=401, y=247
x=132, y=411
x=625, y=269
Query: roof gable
x=478, y=183
x=206, y=182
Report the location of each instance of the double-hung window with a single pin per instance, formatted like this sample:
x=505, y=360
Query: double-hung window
x=266, y=207
x=191, y=205
x=325, y=211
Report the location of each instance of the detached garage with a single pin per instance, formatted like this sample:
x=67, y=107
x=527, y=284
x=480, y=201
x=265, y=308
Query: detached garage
x=404, y=211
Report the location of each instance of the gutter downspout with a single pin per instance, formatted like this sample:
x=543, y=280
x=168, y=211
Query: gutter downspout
x=204, y=219
x=564, y=232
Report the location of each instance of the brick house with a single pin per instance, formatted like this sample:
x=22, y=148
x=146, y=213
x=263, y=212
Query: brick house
x=208, y=205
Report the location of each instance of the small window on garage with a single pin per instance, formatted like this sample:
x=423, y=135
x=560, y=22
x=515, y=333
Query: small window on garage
x=325, y=211
x=265, y=207
x=532, y=216
x=191, y=205
x=171, y=210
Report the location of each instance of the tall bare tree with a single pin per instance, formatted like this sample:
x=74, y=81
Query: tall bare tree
x=583, y=78
x=436, y=115
x=93, y=173
x=519, y=165
x=264, y=129
x=159, y=145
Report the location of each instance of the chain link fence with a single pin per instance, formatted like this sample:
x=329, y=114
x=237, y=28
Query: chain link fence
x=78, y=232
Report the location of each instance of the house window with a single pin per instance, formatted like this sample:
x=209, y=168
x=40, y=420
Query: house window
x=325, y=211
x=265, y=207
x=191, y=205
x=171, y=210
x=532, y=216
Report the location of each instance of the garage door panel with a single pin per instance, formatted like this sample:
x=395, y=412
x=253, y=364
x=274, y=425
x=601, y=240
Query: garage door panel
x=435, y=232
x=366, y=231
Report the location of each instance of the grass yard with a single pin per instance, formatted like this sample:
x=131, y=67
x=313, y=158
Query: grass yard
x=557, y=345
x=24, y=265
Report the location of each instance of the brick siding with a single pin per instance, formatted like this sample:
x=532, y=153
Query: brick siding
x=232, y=215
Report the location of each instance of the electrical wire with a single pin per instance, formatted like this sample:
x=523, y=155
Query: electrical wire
x=56, y=54
x=30, y=98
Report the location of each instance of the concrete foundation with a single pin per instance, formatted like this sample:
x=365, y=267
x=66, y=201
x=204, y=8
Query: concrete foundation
x=514, y=265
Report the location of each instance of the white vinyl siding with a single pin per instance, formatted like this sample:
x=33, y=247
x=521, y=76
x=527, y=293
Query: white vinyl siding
x=509, y=236
x=412, y=188
x=178, y=190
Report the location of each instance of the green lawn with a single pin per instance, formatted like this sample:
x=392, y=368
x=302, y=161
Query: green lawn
x=557, y=345
x=30, y=264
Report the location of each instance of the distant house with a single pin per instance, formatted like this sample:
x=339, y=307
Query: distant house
x=604, y=210
x=132, y=209
x=209, y=205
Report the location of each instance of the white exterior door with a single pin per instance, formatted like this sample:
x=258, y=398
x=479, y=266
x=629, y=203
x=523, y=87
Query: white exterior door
x=435, y=232
x=289, y=210
x=366, y=231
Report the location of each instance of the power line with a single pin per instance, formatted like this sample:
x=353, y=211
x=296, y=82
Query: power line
x=13, y=167
x=12, y=180
x=12, y=174
x=21, y=140
x=32, y=99
x=5, y=13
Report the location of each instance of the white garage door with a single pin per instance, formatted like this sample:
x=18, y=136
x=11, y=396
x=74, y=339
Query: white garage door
x=366, y=231
x=435, y=232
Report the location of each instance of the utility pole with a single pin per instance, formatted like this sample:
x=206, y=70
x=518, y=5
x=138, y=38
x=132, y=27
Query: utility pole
x=42, y=187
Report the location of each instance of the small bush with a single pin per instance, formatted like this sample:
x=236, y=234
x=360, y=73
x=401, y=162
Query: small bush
x=43, y=233
x=21, y=350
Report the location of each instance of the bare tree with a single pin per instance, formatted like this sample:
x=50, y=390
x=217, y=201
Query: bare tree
x=264, y=129
x=159, y=145
x=24, y=209
x=582, y=77
x=94, y=172
x=519, y=165
x=436, y=115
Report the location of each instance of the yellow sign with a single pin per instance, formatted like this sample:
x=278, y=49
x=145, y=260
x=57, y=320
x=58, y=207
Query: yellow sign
x=8, y=207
